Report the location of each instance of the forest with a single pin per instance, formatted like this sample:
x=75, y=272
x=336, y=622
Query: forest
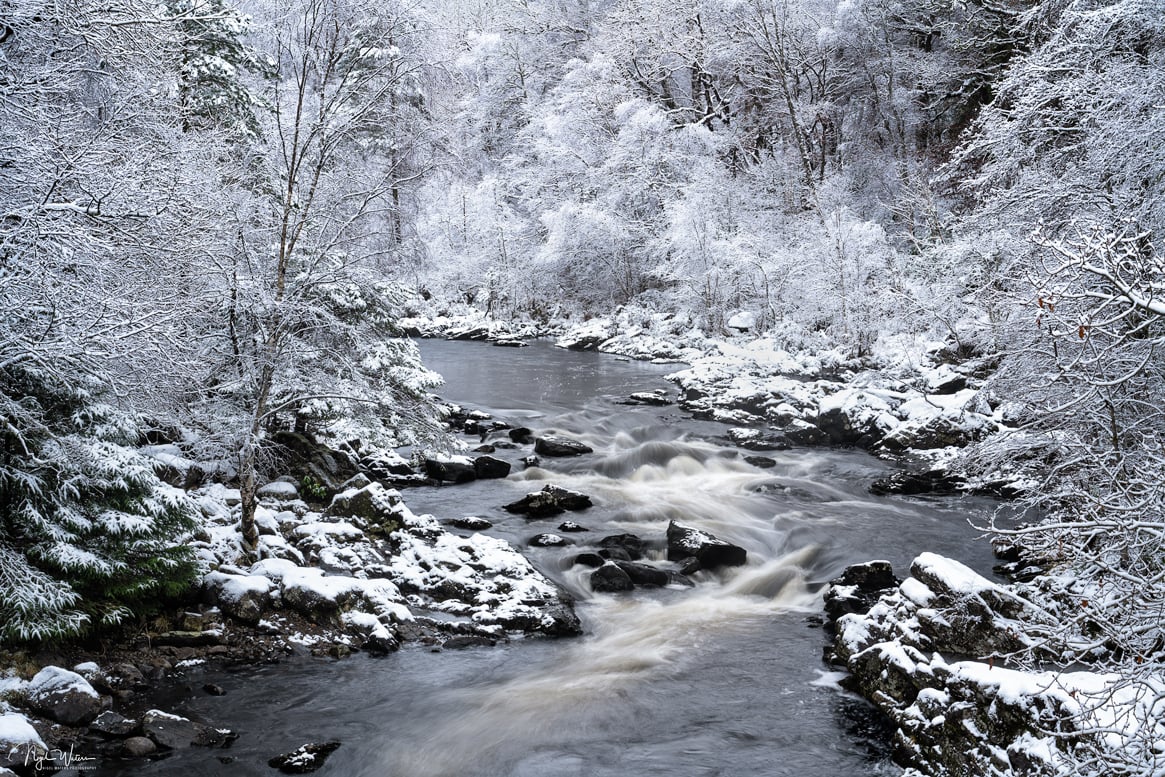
x=213, y=216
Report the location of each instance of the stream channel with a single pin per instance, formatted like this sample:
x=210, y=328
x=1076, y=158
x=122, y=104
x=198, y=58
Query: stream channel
x=722, y=679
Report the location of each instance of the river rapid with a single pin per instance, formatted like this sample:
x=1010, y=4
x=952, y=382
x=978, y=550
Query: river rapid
x=722, y=679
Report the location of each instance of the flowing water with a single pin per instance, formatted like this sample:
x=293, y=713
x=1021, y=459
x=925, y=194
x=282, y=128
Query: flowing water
x=722, y=679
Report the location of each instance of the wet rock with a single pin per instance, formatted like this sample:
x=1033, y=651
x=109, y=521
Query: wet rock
x=189, y=639
x=686, y=541
x=934, y=481
x=590, y=560
x=64, y=696
x=521, y=435
x=858, y=588
x=658, y=398
x=471, y=523
x=138, y=747
x=643, y=574
x=174, y=731
x=551, y=500
x=759, y=439
x=800, y=432
x=548, y=541
x=452, y=470
x=558, y=446
x=510, y=343
x=628, y=544
x=485, y=449
x=531, y=461
x=214, y=690
x=467, y=641
x=571, y=527
x=763, y=462
x=609, y=578
x=113, y=724
x=304, y=759
x=488, y=467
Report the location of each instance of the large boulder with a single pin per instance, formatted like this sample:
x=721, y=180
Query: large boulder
x=644, y=574
x=622, y=547
x=452, y=469
x=243, y=597
x=306, y=457
x=488, y=467
x=174, y=731
x=551, y=500
x=688, y=542
x=556, y=445
x=64, y=696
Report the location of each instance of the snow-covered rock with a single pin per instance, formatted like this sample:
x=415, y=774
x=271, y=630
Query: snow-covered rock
x=18, y=739
x=64, y=696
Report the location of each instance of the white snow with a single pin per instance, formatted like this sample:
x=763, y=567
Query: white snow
x=17, y=734
x=53, y=679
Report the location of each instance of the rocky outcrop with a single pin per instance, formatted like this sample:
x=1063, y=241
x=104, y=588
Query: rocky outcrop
x=956, y=717
x=304, y=457
x=684, y=542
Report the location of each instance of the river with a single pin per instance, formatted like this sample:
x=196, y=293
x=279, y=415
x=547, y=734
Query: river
x=723, y=679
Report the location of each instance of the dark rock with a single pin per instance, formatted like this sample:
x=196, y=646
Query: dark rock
x=630, y=544
x=551, y=500
x=642, y=574
x=843, y=428
x=530, y=461
x=764, y=462
x=485, y=449
x=801, y=432
x=658, y=398
x=548, y=541
x=571, y=527
x=450, y=471
x=615, y=554
x=214, y=690
x=609, y=578
x=521, y=435
x=935, y=481
x=487, y=467
x=471, y=523
x=307, y=758
x=685, y=541
x=138, y=747
x=952, y=386
x=175, y=731
x=688, y=566
x=477, y=333
x=590, y=560
x=188, y=639
x=112, y=724
x=759, y=440
x=555, y=445
x=65, y=696
x=466, y=641
x=305, y=457
x=858, y=588
x=386, y=468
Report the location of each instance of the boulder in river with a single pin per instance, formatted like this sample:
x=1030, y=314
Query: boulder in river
x=618, y=546
x=571, y=527
x=557, y=446
x=548, y=541
x=609, y=578
x=471, y=523
x=451, y=469
x=933, y=481
x=521, y=435
x=488, y=467
x=688, y=542
x=644, y=574
x=858, y=588
x=174, y=731
x=305, y=758
x=551, y=500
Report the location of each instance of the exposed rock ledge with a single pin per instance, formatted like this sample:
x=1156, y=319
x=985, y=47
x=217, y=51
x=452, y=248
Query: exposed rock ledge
x=961, y=716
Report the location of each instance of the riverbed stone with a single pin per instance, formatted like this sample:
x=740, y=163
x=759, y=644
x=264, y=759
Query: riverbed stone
x=558, y=446
x=589, y=559
x=304, y=759
x=689, y=542
x=858, y=588
x=471, y=523
x=451, y=470
x=113, y=724
x=548, y=540
x=571, y=527
x=609, y=578
x=521, y=435
x=174, y=731
x=138, y=747
x=489, y=467
x=622, y=547
x=551, y=500
x=644, y=574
